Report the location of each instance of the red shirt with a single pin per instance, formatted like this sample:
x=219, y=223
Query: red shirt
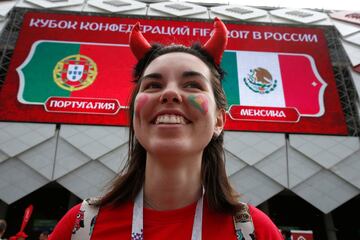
x=115, y=223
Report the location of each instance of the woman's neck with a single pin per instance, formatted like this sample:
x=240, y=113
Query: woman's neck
x=172, y=183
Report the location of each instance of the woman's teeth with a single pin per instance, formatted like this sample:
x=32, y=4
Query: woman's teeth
x=170, y=119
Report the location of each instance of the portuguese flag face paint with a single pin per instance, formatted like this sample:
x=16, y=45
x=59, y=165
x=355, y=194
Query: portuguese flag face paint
x=199, y=102
x=140, y=102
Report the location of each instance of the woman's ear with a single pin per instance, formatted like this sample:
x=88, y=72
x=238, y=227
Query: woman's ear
x=220, y=122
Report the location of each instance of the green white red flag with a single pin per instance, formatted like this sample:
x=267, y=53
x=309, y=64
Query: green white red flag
x=267, y=86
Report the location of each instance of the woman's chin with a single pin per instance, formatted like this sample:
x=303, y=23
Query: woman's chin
x=172, y=147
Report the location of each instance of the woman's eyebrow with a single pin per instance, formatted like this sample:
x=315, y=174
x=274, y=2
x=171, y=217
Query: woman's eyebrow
x=151, y=76
x=194, y=74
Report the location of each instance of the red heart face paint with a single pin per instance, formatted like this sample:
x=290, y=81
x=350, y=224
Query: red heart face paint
x=140, y=102
x=199, y=102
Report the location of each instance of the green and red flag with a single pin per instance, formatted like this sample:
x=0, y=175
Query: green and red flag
x=76, y=77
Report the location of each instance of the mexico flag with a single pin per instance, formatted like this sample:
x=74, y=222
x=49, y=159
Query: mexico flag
x=268, y=86
x=92, y=78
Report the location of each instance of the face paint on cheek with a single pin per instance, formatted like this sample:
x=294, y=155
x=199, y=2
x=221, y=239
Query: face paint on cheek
x=199, y=102
x=140, y=103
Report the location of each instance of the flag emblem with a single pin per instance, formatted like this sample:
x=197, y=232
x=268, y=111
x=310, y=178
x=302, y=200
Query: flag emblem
x=260, y=80
x=75, y=72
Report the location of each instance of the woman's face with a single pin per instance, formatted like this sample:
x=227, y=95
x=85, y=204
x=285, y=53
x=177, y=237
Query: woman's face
x=175, y=110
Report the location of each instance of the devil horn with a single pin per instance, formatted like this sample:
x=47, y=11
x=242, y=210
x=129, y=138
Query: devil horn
x=138, y=43
x=216, y=45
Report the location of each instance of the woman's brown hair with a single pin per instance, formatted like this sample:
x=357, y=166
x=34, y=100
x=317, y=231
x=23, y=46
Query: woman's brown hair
x=219, y=194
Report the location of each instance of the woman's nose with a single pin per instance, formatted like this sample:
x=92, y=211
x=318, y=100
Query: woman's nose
x=170, y=95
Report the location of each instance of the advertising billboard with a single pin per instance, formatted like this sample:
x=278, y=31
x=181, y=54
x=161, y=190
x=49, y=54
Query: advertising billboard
x=76, y=69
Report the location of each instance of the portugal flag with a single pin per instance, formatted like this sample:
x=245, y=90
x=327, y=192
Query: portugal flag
x=76, y=71
x=267, y=81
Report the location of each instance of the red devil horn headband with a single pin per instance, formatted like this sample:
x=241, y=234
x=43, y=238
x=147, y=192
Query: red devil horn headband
x=215, y=46
x=138, y=44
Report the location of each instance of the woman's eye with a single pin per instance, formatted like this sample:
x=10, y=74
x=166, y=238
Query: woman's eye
x=194, y=85
x=152, y=85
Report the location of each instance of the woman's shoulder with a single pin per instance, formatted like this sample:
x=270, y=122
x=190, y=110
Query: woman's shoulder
x=64, y=227
x=72, y=213
x=264, y=226
x=259, y=216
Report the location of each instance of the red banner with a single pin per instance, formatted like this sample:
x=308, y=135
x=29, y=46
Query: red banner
x=301, y=235
x=250, y=113
x=26, y=218
x=69, y=68
x=83, y=105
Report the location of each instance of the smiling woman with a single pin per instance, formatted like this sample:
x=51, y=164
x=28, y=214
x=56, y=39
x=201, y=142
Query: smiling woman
x=173, y=97
x=174, y=185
